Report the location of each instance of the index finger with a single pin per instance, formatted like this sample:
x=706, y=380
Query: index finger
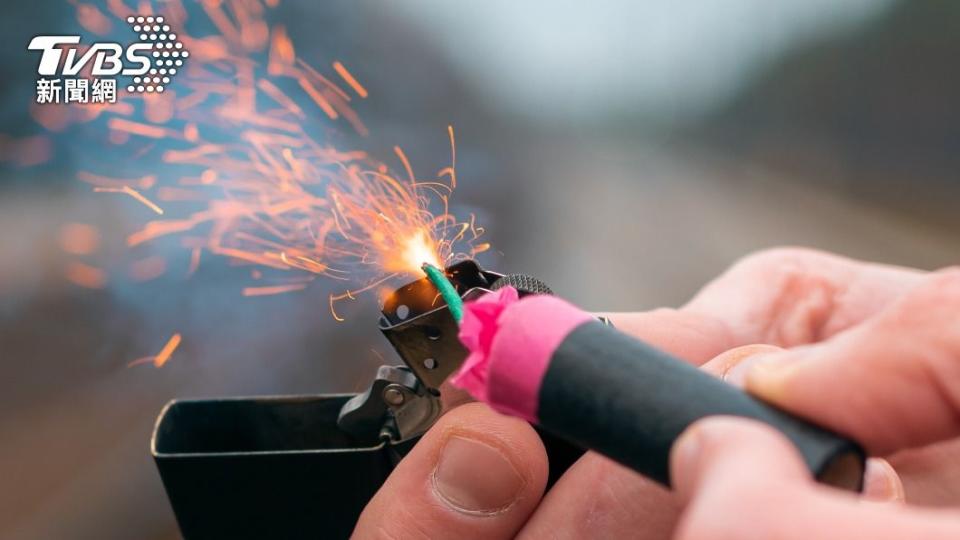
x=782, y=296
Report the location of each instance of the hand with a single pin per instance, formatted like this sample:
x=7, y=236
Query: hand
x=478, y=474
x=891, y=382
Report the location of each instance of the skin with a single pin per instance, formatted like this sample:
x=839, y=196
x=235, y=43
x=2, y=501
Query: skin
x=869, y=350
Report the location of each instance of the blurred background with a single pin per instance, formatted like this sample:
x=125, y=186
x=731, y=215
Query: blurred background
x=648, y=142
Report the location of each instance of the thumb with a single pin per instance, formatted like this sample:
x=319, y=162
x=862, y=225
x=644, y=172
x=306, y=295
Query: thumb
x=475, y=474
x=726, y=451
x=740, y=479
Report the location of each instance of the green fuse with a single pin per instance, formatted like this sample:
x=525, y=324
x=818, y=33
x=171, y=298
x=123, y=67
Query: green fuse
x=447, y=291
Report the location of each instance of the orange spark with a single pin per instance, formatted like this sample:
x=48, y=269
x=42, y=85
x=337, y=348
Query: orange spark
x=139, y=128
x=133, y=193
x=25, y=152
x=85, y=275
x=249, y=170
x=147, y=269
x=145, y=182
x=194, y=261
x=318, y=99
x=451, y=171
x=282, y=54
x=274, y=289
x=161, y=358
x=92, y=19
x=349, y=79
x=406, y=163
x=417, y=250
x=79, y=238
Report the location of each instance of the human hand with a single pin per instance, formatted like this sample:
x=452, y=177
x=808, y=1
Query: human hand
x=891, y=382
x=479, y=474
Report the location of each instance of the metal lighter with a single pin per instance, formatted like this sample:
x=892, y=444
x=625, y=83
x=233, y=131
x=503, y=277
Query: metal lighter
x=305, y=466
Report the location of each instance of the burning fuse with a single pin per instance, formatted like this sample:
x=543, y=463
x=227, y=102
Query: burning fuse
x=405, y=400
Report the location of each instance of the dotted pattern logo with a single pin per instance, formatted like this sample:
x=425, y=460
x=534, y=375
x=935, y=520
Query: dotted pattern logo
x=168, y=53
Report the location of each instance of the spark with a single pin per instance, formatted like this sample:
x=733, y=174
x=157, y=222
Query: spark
x=275, y=289
x=144, y=182
x=161, y=358
x=85, y=275
x=139, y=128
x=194, y=261
x=147, y=269
x=79, y=238
x=133, y=193
x=251, y=172
x=319, y=99
x=349, y=79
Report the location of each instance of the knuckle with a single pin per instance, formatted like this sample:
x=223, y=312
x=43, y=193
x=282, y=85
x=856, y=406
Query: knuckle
x=800, y=293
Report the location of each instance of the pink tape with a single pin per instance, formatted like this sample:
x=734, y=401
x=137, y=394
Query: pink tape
x=511, y=342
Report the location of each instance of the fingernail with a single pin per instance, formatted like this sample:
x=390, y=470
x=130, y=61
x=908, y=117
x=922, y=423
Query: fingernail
x=881, y=482
x=767, y=373
x=736, y=374
x=760, y=371
x=738, y=361
x=476, y=478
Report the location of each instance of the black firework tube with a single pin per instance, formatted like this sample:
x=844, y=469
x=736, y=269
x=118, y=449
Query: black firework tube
x=547, y=361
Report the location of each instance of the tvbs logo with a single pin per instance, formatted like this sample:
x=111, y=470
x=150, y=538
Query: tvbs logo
x=150, y=63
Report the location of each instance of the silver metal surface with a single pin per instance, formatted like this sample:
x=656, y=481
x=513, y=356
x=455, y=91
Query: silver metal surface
x=393, y=395
x=396, y=405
